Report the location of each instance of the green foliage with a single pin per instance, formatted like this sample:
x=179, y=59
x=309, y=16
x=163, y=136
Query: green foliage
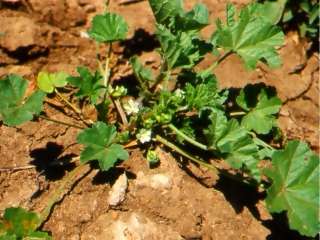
x=98, y=141
x=143, y=74
x=233, y=142
x=181, y=49
x=18, y=224
x=295, y=187
x=108, y=27
x=250, y=36
x=47, y=82
x=260, y=110
x=164, y=11
x=204, y=94
x=90, y=85
x=15, y=109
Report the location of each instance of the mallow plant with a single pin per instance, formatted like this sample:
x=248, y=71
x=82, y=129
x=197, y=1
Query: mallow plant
x=180, y=107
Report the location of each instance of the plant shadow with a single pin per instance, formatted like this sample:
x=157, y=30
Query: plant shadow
x=110, y=176
x=49, y=163
x=142, y=41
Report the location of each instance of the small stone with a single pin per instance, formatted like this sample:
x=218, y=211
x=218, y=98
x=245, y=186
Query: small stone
x=118, y=191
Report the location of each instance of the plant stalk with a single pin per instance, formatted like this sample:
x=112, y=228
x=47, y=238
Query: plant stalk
x=58, y=194
x=220, y=60
x=185, y=154
x=187, y=138
x=234, y=114
x=74, y=108
x=60, y=122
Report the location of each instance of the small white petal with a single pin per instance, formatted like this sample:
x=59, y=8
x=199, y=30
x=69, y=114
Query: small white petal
x=144, y=135
x=131, y=107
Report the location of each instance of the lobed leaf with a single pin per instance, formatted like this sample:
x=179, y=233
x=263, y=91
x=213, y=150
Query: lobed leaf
x=98, y=141
x=204, y=93
x=18, y=223
x=15, y=109
x=108, y=27
x=260, y=117
x=47, y=82
x=165, y=10
x=234, y=143
x=184, y=49
x=252, y=37
x=295, y=187
x=143, y=74
x=90, y=85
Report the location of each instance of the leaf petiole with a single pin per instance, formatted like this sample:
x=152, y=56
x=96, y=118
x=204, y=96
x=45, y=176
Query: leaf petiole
x=187, y=138
x=59, y=193
x=60, y=122
x=185, y=154
x=234, y=114
x=218, y=61
x=74, y=108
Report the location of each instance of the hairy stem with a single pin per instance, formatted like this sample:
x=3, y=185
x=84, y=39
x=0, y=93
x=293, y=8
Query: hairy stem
x=60, y=122
x=121, y=112
x=185, y=154
x=59, y=193
x=234, y=114
x=74, y=108
x=261, y=142
x=187, y=138
x=220, y=60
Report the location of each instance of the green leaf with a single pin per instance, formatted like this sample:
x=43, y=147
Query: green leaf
x=14, y=108
x=295, y=187
x=108, y=27
x=184, y=49
x=144, y=75
x=165, y=10
x=260, y=116
x=204, y=93
x=194, y=20
x=47, y=82
x=18, y=223
x=231, y=11
x=271, y=11
x=234, y=143
x=252, y=37
x=89, y=85
x=99, y=146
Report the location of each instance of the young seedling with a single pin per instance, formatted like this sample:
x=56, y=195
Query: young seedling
x=183, y=106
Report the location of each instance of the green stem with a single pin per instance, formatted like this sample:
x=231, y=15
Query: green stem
x=74, y=108
x=261, y=142
x=58, y=194
x=202, y=163
x=234, y=114
x=60, y=122
x=185, y=154
x=187, y=138
x=220, y=60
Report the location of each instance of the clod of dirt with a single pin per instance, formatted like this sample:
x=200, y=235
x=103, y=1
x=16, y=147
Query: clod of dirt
x=118, y=191
x=20, y=32
x=155, y=181
x=60, y=13
x=128, y=226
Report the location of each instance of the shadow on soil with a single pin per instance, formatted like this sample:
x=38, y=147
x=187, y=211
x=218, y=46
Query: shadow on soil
x=111, y=176
x=141, y=41
x=49, y=163
x=240, y=196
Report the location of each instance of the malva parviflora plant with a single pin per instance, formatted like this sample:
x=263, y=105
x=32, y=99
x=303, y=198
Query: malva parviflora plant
x=179, y=107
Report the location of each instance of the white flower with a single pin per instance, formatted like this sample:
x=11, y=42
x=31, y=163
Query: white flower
x=179, y=93
x=144, y=135
x=131, y=107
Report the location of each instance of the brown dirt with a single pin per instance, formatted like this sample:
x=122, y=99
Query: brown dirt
x=45, y=35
